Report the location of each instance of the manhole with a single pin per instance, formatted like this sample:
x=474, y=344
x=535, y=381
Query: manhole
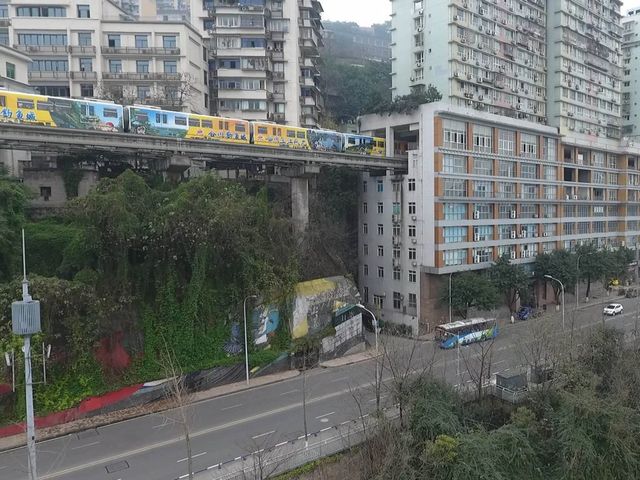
x=117, y=467
x=87, y=434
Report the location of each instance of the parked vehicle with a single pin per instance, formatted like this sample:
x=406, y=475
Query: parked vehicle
x=613, y=309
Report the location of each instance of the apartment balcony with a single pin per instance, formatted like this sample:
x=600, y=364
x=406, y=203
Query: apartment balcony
x=237, y=94
x=139, y=51
x=277, y=55
x=48, y=75
x=5, y=22
x=277, y=35
x=308, y=101
x=54, y=49
x=142, y=77
x=82, y=50
x=308, y=82
x=84, y=75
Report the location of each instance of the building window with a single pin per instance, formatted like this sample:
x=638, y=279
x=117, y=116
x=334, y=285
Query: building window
x=412, y=276
x=113, y=41
x=380, y=229
x=506, y=190
x=84, y=39
x=380, y=251
x=397, y=274
x=86, y=65
x=365, y=249
x=506, y=169
x=397, y=300
x=84, y=11
x=482, y=139
x=142, y=66
x=396, y=252
x=364, y=187
x=380, y=272
x=550, y=173
x=483, y=211
x=412, y=254
x=529, y=146
x=45, y=193
x=455, y=134
x=412, y=208
x=412, y=231
x=41, y=11
x=454, y=164
x=365, y=270
x=115, y=66
x=413, y=303
x=455, y=257
x=86, y=90
x=482, y=189
x=10, y=70
x=454, y=234
x=506, y=142
x=365, y=208
x=169, y=41
x=142, y=41
x=170, y=66
x=529, y=170
x=454, y=187
x=42, y=39
x=378, y=301
x=455, y=211
x=412, y=184
x=365, y=293
x=396, y=208
x=482, y=167
x=380, y=186
x=482, y=255
x=365, y=229
x=144, y=92
x=482, y=233
x=380, y=207
x=396, y=230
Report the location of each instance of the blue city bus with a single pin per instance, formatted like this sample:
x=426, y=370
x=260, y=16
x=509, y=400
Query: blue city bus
x=463, y=332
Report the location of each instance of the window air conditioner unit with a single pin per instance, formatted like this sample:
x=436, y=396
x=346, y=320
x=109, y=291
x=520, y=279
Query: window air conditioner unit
x=575, y=197
x=513, y=214
x=513, y=234
x=476, y=238
x=414, y=264
x=414, y=241
x=414, y=217
x=476, y=215
x=476, y=259
x=513, y=255
x=545, y=234
x=523, y=233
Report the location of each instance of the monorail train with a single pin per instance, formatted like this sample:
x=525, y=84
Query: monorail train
x=89, y=114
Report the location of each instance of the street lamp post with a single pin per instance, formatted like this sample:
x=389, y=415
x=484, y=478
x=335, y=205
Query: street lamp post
x=562, y=287
x=375, y=329
x=246, y=341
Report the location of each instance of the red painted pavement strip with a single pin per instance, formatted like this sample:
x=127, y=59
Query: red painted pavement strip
x=88, y=405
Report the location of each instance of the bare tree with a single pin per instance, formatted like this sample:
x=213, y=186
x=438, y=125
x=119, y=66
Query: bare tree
x=477, y=362
x=541, y=347
x=263, y=458
x=179, y=396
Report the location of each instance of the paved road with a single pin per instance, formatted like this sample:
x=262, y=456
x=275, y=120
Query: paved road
x=223, y=428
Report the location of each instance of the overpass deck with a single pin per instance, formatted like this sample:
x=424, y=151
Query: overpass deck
x=142, y=147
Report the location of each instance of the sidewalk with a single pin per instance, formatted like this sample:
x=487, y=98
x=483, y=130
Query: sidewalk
x=349, y=359
x=15, y=441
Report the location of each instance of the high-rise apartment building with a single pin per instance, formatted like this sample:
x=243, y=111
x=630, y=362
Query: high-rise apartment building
x=264, y=58
x=97, y=49
x=555, y=63
x=631, y=76
x=14, y=68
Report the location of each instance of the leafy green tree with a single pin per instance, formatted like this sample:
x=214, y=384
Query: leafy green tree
x=469, y=290
x=559, y=264
x=13, y=201
x=410, y=102
x=615, y=264
x=511, y=280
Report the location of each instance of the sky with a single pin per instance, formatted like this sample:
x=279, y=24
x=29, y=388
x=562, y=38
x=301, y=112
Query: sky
x=367, y=12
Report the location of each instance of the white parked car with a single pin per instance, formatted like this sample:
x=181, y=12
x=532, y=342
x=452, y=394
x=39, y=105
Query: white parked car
x=613, y=309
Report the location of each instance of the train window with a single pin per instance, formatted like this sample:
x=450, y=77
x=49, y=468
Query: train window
x=220, y=125
x=275, y=131
x=113, y=113
x=207, y=124
x=352, y=141
x=291, y=134
x=263, y=131
x=60, y=103
x=240, y=127
x=162, y=118
x=3, y=101
x=25, y=103
x=180, y=120
x=88, y=110
x=141, y=117
x=301, y=135
x=194, y=122
x=44, y=106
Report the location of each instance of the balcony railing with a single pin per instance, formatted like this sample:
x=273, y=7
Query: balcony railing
x=175, y=77
x=139, y=51
x=84, y=75
x=42, y=48
x=48, y=75
x=82, y=49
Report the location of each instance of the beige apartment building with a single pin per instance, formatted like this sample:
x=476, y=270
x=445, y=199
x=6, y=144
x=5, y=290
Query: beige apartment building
x=97, y=49
x=14, y=70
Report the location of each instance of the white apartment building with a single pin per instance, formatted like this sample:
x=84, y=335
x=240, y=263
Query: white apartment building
x=264, y=58
x=14, y=70
x=93, y=48
x=556, y=63
x=631, y=75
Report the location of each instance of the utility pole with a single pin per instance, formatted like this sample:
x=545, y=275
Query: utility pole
x=25, y=317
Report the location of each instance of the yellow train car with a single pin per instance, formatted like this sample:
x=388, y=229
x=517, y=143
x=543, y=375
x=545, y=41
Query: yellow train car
x=222, y=129
x=56, y=112
x=276, y=135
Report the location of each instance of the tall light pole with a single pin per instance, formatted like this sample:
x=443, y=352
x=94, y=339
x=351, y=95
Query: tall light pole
x=246, y=342
x=375, y=329
x=562, y=287
x=25, y=317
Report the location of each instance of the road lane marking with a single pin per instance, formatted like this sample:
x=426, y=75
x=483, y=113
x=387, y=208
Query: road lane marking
x=281, y=444
x=289, y=392
x=381, y=397
x=85, y=446
x=263, y=434
x=192, y=456
x=325, y=415
x=339, y=379
x=232, y=406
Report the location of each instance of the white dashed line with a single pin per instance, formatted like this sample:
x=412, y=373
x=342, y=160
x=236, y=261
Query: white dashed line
x=263, y=434
x=232, y=406
x=289, y=392
x=192, y=456
x=85, y=446
x=325, y=415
